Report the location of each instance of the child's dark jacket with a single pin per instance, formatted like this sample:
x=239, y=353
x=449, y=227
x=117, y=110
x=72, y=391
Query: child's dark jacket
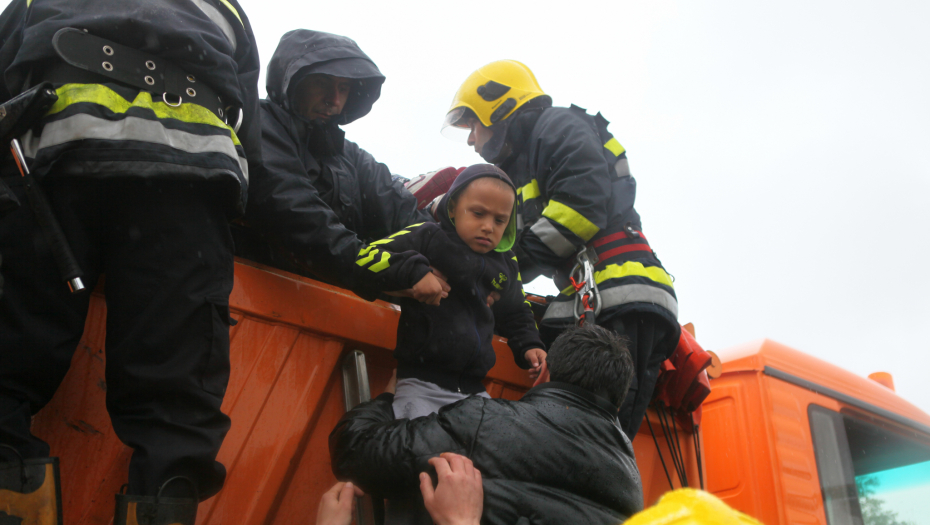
x=450, y=344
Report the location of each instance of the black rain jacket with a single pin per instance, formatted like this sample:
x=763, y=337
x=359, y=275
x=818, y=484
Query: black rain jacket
x=450, y=345
x=556, y=456
x=180, y=32
x=317, y=195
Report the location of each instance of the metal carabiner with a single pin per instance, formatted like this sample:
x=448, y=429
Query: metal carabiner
x=584, y=269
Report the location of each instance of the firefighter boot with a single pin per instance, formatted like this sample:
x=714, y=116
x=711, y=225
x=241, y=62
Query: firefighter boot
x=30, y=490
x=157, y=510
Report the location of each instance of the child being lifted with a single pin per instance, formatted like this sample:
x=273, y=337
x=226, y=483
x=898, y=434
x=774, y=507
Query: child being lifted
x=444, y=347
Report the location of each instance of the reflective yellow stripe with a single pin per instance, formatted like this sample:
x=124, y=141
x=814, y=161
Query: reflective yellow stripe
x=233, y=9
x=365, y=250
x=389, y=238
x=366, y=260
x=629, y=268
x=69, y=94
x=571, y=219
x=415, y=225
x=382, y=264
x=529, y=191
x=614, y=147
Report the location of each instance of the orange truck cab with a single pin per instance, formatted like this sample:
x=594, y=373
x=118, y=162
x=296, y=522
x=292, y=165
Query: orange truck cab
x=791, y=439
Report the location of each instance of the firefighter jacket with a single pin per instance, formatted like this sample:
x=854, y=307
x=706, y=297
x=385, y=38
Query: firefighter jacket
x=110, y=129
x=318, y=196
x=450, y=344
x=575, y=189
x=556, y=456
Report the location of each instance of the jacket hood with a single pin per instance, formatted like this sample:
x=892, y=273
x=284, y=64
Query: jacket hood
x=478, y=171
x=302, y=52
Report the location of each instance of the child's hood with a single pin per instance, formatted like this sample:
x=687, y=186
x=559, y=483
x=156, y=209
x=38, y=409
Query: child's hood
x=478, y=171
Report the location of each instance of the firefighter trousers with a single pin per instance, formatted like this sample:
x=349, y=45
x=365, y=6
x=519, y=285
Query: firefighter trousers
x=165, y=249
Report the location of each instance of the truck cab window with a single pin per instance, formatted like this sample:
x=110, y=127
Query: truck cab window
x=870, y=473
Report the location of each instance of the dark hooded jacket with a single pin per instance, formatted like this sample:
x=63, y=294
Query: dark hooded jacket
x=557, y=456
x=110, y=129
x=317, y=195
x=450, y=344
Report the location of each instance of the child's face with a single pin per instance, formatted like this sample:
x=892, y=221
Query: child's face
x=482, y=213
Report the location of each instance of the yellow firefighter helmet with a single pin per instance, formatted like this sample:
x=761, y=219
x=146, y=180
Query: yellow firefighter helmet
x=492, y=93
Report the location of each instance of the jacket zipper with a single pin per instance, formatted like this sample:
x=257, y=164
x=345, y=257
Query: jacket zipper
x=477, y=335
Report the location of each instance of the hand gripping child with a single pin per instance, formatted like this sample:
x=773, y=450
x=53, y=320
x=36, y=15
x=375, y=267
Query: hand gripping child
x=444, y=347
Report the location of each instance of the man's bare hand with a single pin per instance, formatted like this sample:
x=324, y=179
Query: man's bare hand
x=458, y=498
x=536, y=357
x=430, y=289
x=493, y=297
x=337, y=503
x=427, y=291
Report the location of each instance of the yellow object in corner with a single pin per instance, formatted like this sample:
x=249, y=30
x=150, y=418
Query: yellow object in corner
x=691, y=507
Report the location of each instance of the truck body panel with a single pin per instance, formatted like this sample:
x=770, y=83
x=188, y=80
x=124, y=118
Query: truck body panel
x=284, y=397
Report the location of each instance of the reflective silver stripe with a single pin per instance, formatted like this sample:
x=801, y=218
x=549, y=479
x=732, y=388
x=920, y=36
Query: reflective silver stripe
x=83, y=126
x=622, y=167
x=519, y=222
x=218, y=19
x=627, y=293
x=552, y=238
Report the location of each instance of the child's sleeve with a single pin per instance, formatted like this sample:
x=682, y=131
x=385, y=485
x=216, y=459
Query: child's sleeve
x=513, y=318
x=393, y=263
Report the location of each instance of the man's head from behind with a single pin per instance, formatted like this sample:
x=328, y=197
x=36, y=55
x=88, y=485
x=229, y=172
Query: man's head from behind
x=592, y=358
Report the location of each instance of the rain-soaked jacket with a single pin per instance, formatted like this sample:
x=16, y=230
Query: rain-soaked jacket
x=109, y=129
x=450, y=344
x=575, y=189
x=556, y=456
x=318, y=195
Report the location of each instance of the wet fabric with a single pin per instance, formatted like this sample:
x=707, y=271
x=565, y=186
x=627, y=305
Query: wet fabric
x=557, y=456
x=415, y=398
x=450, y=344
x=319, y=197
x=110, y=130
x=166, y=251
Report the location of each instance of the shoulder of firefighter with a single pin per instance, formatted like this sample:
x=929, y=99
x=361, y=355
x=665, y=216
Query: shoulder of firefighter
x=575, y=191
x=395, y=262
x=144, y=88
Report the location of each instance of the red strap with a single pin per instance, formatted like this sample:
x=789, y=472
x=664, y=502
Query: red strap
x=615, y=237
x=623, y=249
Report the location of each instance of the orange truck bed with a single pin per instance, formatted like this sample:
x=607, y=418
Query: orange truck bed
x=284, y=396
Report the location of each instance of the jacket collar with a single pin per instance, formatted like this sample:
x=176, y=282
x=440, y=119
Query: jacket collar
x=580, y=396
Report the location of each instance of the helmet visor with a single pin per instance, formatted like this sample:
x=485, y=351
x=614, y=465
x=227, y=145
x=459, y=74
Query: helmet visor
x=456, y=125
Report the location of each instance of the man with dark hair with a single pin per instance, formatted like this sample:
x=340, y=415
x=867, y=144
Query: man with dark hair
x=594, y=359
x=558, y=455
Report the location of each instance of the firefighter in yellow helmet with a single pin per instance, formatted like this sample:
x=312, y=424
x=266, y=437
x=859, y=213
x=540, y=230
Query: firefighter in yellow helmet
x=575, y=191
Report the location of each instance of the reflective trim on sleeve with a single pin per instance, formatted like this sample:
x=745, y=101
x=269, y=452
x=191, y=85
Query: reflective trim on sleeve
x=622, y=167
x=628, y=293
x=529, y=191
x=628, y=269
x=552, y=238
x=83, y=126
x=369, y=258
x=233, y=9
x=520, y=223
x=571, y=219
x=382, y=264
x=614, y=147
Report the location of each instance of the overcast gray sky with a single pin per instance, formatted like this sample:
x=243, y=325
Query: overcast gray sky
x=781, y=149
